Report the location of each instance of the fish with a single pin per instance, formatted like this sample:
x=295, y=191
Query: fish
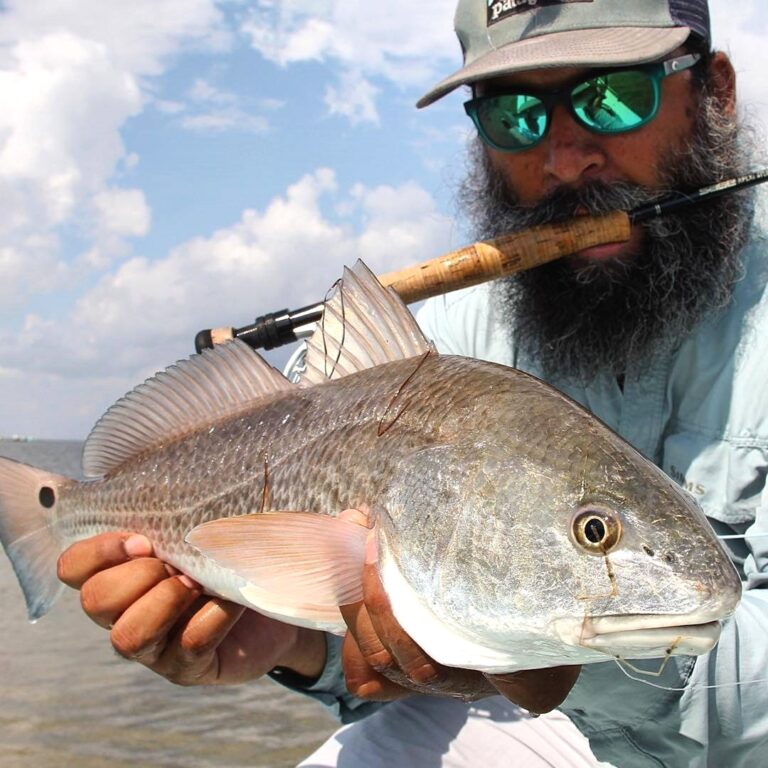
x=514, y=529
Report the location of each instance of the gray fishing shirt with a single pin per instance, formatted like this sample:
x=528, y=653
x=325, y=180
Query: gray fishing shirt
x=700, y=413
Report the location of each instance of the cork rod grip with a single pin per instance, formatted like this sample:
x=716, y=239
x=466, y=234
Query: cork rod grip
x=471, y=265
x=491, y=259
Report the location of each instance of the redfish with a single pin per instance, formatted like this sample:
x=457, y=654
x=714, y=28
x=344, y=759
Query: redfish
x=514, y=529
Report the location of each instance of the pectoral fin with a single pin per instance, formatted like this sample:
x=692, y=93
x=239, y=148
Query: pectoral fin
x=300, y=566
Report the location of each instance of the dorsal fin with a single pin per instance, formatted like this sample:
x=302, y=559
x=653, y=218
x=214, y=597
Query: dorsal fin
x=364, y=324
x=185, y=397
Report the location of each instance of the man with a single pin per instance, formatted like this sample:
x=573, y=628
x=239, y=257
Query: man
x=582, y=106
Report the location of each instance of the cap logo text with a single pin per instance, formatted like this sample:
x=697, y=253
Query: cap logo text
x=498, y=10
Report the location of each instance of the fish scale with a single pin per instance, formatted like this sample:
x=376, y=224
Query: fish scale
x=514, y=529
x=184, y=487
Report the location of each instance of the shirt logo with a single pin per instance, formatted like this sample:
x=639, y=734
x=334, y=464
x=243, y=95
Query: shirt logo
x=697, y=489
x=498, y=10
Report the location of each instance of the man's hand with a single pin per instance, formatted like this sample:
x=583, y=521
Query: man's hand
x=382, y=663
x=162, y=620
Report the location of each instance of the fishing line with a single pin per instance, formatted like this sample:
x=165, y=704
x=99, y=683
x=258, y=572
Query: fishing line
x=620, y=663
x=730, y=537
x=382, y=428
x=339, y=284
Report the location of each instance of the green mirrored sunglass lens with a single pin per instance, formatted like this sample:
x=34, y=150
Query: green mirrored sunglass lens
x=512, y=121
x=615, y=102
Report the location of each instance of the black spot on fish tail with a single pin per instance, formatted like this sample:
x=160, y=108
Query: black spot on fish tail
x=47, y=497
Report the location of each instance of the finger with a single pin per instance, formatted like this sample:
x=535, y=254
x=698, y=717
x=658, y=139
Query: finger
x=389, y=650
x=537, y=690
x=190, y=657
x=107, y=594
x=416, y=665
x=141, y=633
x=85, y=558
x=370, y=647
x=357, y=617
x=362, y=680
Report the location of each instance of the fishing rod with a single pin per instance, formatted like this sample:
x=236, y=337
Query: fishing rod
x=482, y=261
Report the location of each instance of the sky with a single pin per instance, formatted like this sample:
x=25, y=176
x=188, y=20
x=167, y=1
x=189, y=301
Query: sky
x=173, y=165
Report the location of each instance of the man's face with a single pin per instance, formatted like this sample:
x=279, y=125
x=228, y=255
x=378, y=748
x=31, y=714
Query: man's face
x=597, y=310
x=571, y=156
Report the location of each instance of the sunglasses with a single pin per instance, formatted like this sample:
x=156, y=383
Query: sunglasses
x=610, y=102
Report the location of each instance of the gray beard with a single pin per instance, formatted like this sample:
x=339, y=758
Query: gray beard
x=576, y=319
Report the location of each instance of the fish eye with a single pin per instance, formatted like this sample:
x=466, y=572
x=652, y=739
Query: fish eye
x=596, y=530
x=47, y=497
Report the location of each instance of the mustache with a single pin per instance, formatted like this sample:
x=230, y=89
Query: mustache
x=593, y=198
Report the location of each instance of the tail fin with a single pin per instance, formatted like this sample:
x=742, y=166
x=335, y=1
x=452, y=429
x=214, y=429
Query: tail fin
x=28, y=501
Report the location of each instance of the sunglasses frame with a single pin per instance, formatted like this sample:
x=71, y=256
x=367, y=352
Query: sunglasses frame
x=656, y=71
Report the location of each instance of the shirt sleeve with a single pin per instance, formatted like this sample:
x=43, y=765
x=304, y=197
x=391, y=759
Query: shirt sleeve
x=329, y=689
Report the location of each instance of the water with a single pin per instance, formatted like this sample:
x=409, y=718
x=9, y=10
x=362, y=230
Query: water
x=67, y=700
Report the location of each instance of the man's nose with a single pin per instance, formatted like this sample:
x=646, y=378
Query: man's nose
x=573, y=154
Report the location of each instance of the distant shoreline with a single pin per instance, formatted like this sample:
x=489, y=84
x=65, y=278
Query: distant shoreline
x=60, y=456
x=28, y=439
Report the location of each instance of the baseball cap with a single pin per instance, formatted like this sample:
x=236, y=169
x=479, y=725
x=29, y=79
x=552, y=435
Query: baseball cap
x=499, y=37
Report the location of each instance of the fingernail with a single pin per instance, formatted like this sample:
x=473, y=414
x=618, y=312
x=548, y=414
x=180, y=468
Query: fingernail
x=426, y=674
x=188, y=583
x=137, y=546
x=371, y=549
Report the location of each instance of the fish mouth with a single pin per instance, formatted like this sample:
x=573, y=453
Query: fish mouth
x=646, y=636
x=609, y=625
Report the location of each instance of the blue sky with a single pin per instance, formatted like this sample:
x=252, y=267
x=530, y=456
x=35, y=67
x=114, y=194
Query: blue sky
x=170, y=165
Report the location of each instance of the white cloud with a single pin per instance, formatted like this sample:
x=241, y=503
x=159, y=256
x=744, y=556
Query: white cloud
x=400, y=40
x=33, y=412
x=30, y=265
x=72, y=72
x=146, y=312
x=113, y=215
x=354, y=98
x=406, y=43
x=398, y=223
x=168, y=106
x=122, y=211
x=140, y=35
x=741, y=30
x=204, y=91
x=225, y=119
x=60, y=137
x=215, y=110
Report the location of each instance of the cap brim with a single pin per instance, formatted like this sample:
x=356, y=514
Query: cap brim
x=615, y=46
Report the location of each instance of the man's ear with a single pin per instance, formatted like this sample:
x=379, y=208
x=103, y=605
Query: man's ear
x=722, y=82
